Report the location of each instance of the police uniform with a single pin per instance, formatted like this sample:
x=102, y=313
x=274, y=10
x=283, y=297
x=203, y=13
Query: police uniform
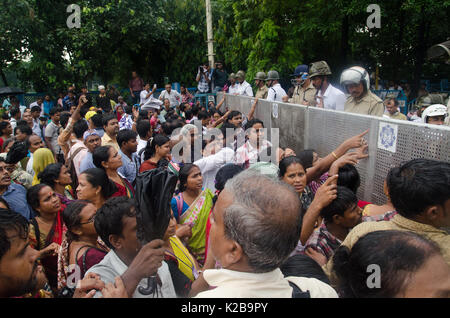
x=397, y=115
x=304, y=94
x=276, y=93
x=370, y=104
x=261, y=93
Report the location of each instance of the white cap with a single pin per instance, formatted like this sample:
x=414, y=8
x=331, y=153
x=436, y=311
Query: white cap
x=100, y=87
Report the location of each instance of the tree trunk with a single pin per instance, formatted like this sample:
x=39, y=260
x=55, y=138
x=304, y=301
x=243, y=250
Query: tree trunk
x=3, y=77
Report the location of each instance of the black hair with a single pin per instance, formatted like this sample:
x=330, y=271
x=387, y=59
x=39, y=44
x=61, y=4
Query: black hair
x=233, y=113
x=253, y=122
x=11, y=221
x=17, y=152
x=223, y=175
x=150, y=149
x=98, y=178
x=106, y=118
x=188, y=114
x=79, y=128
x=303, y=266
x=24, y=129
x=2, y=200
x=143, y=127
x=5, y=116
x=14, y=111
x=125, y=135
x=286, y=162
x=128, y=110
x=418, y=184
x=72, y=219
x=33, y=196
x=398, y=254
x=109, y=218
x=54, y=110
x=97, y=120
x=307, y=157
x=50, y=174
x=348, y=176
x=345, y=199
x=35, y=109
x=203, y=115
x=183, y=175
x=3, y=126
x=101, y=154
x=143, y=114
x=64, y=118
x=195, y=110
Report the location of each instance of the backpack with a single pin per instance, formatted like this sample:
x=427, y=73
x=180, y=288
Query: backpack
x=71, y=168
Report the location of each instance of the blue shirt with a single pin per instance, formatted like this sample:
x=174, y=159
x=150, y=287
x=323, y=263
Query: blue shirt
x=16, y=196
x=130, y=167
x=174, y=207
x=100, y=131
x=47, y=106
x=87, y=162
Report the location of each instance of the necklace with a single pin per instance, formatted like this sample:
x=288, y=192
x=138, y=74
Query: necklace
x=42, y=220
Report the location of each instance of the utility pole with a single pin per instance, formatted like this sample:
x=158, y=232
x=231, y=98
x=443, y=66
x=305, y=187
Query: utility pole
x=209, y=32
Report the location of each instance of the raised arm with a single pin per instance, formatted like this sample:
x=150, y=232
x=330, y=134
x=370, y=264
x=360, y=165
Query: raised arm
x=252, y=110
x=325, y=163
x=221, y=102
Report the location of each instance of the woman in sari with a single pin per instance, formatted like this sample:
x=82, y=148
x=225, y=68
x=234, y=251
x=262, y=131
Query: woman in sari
x=41, y=159
x=47, y=229
x=81, y=245
x=95, y=186
x=57, y=176
x=108, y=159
x=191, y=207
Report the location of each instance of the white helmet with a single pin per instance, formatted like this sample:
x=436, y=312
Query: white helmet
x=434, y=110
x=354, y=75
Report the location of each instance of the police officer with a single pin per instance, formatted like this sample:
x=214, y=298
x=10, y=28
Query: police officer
x=356, y=82
x=262, y=91
x=244, y=87
x=435, y=114
x=327, y=96
x=276, y=92
x=304, y=92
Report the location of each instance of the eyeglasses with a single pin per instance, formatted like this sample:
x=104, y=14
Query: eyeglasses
x=90, y=220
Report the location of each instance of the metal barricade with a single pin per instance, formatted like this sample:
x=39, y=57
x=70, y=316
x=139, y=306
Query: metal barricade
x=391, y=142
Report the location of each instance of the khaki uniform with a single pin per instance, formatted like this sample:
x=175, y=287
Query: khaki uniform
x=262, y=92
x=304, y=94
x=397, y=115
x=370, y=104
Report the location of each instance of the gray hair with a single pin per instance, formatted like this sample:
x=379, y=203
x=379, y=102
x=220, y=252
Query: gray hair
x=264, y=218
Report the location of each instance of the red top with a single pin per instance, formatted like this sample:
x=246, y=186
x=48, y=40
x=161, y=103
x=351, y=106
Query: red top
x=127, y=191
x=148, y=165
x=362, y=204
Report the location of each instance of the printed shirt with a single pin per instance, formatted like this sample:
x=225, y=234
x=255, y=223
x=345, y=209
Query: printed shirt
x=125, y=122
x=326, y=243
x=203, y=85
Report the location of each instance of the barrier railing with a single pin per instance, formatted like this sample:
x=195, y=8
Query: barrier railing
x=391, y=142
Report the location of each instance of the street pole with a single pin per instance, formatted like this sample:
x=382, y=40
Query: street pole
x=209, y=32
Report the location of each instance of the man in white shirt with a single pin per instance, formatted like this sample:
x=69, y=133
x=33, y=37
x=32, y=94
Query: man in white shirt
x=328, y=96
x=116, y=224
x=255, y=225
x=276, y=92
x=39, y=102
x=233, y=88
x=147, y=99
x=172, y=95
x=78, y=150
x=244, y=88
x=144, y=131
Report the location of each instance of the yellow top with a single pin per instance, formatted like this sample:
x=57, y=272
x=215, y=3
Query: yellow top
x=186, y=263
x=107, y=141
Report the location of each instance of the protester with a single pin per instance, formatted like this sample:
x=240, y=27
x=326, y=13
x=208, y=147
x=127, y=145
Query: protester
x=51, y=134
x=81, y=245
x=111, y=127
x=411, y=266
x=47, y=229
x=158, y=148
x=57, y=176
x=32, y=143
x=95, y=186
x=251, y=236
x=5, y=131
x=108, y=159
x=172, y=95
x=103, y=102
x=144, y=131
x=92, y=140
x=128, y=146
x=203, y=78
x=42, y=157
x=116, y=223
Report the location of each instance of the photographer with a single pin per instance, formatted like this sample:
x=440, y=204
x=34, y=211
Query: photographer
x=203, y=78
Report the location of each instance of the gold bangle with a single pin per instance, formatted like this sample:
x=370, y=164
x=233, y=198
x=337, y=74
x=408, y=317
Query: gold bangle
x=334, y=155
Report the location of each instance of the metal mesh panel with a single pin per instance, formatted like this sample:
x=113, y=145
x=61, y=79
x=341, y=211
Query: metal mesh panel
x=324, y=130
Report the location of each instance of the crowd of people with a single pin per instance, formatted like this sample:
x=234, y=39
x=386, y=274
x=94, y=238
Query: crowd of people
x=246, y=219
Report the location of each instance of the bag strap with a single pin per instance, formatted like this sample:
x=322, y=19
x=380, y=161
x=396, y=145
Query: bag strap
x=75, y=154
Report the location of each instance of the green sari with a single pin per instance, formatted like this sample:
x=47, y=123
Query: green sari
x=197, y=214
